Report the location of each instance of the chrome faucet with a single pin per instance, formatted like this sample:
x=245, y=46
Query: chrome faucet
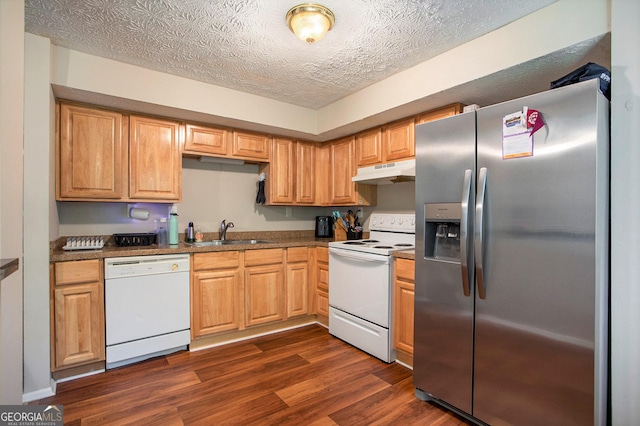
x=223, y=229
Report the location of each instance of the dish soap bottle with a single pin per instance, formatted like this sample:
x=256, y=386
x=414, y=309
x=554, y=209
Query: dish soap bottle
x=173, y=225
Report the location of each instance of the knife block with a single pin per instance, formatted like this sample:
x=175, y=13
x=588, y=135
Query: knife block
x=339, y=234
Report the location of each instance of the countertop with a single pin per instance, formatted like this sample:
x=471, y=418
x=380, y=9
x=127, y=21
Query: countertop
x=405, y=254
x=276, y=239
x=8, y=267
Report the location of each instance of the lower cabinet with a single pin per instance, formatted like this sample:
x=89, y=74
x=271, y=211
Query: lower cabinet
x=297, y=283
x=77, y=331
x=264, y=286
x=216, y=293
x=403, y=296
x=322, y=285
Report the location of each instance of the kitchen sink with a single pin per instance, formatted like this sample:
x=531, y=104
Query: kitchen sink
x=227, y=242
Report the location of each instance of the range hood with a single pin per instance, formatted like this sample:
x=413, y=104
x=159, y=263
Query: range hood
x=384, y=174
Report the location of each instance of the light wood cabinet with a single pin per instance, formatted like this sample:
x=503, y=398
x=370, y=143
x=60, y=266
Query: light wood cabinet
x=91, y=158
x=217, y=299
x=206, y=140
x=369, y=148
x=291, y=173
x=77, y=298
x=305, y=187
x=297, y=282
x=155, y=159
x=281, y=170
x=342, y=190
x=399, y=141
x=108, y=156
x=403, y=309
x=250, y=146
x=437, y=114
x=322, y=285
x=264, y=286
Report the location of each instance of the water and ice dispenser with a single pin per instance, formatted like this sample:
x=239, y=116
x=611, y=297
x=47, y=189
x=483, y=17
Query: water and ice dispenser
x=442, y=231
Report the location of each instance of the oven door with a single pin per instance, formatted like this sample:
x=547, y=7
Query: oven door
x=360, y=284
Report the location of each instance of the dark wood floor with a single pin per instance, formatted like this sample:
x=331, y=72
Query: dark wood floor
x=297, y=377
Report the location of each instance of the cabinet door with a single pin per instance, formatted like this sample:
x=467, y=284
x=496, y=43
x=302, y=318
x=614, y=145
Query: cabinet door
x=343, y=167
x=92, y=154
x=322, y=283
x=403, y=308
x=216, y=302
x=155, y=159
x=281, y=182
x=297, y=289
x=436, y=114
x=369, y=148
x=251, y=146
x=305, y=173
x=399, y=140
x=206, y=140
x=78, y=324
x=264, y=290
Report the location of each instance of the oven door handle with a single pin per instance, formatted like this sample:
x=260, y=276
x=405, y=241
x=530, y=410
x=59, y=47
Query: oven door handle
x=354, y=256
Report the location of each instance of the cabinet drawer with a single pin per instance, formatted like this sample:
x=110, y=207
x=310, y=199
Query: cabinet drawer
x=216, y=260
x=323, y=254
x=297, y=254
x=82, y=271
x=263, y=257
x=405, y=269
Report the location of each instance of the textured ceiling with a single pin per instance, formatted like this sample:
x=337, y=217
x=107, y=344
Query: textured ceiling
x=246, y=45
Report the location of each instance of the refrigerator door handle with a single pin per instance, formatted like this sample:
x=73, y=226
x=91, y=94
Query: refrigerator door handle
x=479, y=254
x=464, y=231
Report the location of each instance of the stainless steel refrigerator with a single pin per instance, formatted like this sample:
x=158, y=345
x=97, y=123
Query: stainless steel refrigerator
x=512, y=243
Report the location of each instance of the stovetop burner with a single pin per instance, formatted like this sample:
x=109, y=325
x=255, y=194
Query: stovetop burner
x=388, y=233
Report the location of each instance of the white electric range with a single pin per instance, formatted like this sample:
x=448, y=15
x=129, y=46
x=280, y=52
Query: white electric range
x=361, y=283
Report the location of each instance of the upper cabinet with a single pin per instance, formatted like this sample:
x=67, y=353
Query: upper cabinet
x=369, y=147
x=342, y=163
x=250, y=146
x=91, y=154
x=291, y=173
x=398, y=140
x=108, y=156
x=104, y=155
x=155, y=159
x=206, y=140
x=437, y=114
x=305, y=173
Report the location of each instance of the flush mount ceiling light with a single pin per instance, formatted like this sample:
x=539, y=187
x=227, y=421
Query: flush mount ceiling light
x=310, y=22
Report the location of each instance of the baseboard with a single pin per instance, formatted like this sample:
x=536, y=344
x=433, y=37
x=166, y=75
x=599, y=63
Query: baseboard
x=40, y=394
x=237, y=336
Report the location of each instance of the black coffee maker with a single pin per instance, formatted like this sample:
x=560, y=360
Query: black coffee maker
x=324, y=227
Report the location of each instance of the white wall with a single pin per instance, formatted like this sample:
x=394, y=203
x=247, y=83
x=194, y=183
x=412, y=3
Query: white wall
x=38, y=138
x=210, y=193
x=625, y=213
x=11, y=142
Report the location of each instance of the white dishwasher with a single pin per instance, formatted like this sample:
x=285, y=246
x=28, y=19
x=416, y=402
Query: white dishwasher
x=146, y=307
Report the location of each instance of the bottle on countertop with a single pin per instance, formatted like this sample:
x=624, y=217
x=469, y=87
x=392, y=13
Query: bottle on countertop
x=173, y=225
x=199, y=236
x=190, y=234
x=162, y=231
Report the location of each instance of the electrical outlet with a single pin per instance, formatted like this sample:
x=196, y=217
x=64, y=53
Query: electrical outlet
x=360, y=214
x=288, y=211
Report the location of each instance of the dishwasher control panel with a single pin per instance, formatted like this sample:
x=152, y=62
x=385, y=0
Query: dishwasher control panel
x=131, y=266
